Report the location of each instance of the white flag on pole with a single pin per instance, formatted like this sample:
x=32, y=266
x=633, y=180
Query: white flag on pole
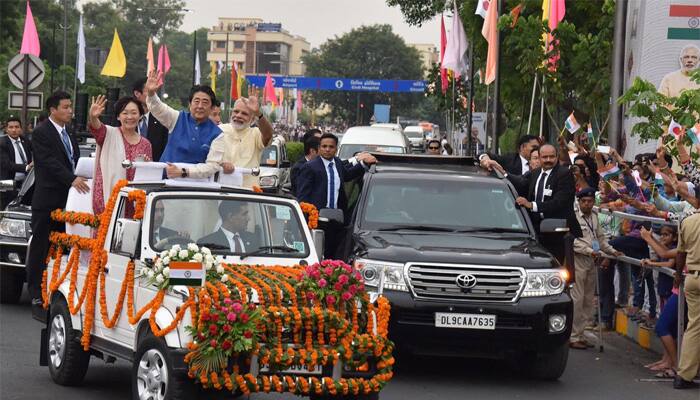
x=197, y=71
x=456, y=49
x=482, y=6
x=80, y=70
x=220, y=67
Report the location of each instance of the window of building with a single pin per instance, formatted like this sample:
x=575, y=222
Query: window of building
x=238, y=44
x=220, y=44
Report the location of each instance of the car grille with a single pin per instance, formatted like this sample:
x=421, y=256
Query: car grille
x=439, y=282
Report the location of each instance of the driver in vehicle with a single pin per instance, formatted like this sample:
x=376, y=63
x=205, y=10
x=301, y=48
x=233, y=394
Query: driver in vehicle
x=162, y=236
x=233, y=234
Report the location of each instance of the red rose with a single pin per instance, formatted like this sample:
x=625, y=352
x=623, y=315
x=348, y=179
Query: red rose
x=247, y=334
x=205, y=317
x=244, y=318
x=213, y=329
x=213, y=343
x=226, y=345
x=338, y=287
x=201, y=337
x=226, y=328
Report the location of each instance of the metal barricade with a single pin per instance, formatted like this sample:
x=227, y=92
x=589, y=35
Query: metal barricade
x=667, y=271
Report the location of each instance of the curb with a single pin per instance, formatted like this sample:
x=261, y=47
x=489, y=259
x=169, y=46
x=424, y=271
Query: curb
x=644, y=337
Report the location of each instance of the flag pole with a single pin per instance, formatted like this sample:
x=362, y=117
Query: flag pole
x=532, y=104
x=470, y=111
x=194, y=58
x=228, y=87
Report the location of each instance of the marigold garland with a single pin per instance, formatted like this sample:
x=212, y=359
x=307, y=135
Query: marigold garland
x=310, y=210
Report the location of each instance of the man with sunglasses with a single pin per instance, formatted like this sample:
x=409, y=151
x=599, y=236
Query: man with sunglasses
x=433, y=147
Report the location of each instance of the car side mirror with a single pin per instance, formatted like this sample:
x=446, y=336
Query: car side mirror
x=126, y=237
x=331, y=215
x=285, y=164
x=319, y=237
x=553, y=226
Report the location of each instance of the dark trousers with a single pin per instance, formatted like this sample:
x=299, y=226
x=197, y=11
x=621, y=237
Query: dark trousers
x=42, y=225
x=640, y=278
x=636, y=248
x=606, y=293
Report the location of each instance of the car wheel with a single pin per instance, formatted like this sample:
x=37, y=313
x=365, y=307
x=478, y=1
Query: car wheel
x=68, y=362
x=11, y=283
x=371, y=396
x=152, y=376
x=549, y=365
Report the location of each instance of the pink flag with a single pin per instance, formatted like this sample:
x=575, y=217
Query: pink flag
x=490, y=32
x=299, y=105
x=443, y=44
x=163, y=60
x=269, y=91
x=30, y=38
x=456, y=48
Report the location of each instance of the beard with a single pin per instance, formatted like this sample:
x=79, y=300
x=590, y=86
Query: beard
x=240, y=126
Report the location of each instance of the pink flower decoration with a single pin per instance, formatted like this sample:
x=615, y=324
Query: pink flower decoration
x=328, y=271
x=237, y=307
x=343, y=279
x=310, y=296
x=330, y=299
x=228, y=301
x=322, y=283
x=231, y=316
x=346, y=296
x=338, y=287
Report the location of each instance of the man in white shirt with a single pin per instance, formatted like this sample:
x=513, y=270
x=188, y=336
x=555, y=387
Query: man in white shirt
x=515, y=163
x=16, y=158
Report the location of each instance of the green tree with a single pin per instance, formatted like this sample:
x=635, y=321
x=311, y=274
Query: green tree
x=366, y=52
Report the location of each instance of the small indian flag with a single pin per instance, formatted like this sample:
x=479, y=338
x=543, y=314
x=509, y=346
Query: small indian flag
x=658, y=179
x=571, y=124
x=186, y=273
x=591, y=138
x=609, y=172
x=694, y=134
x=675, y=128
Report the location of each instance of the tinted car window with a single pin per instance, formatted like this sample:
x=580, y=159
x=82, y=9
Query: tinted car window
x=442, y=203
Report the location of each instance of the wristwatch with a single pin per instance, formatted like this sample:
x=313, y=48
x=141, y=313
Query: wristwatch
x=184, y=173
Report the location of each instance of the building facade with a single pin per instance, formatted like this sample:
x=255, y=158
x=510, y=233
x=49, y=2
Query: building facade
x=257, y=47
x=429, y=55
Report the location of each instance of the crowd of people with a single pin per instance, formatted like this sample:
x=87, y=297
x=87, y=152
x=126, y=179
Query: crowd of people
x=566, y=181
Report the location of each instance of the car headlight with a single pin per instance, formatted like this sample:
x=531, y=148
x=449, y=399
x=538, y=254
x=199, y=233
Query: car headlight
x=388, y=275
x=545, y=282
x=268, y=181
x=13, y=227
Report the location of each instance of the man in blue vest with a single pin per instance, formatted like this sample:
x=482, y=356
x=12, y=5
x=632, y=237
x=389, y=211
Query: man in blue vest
x=191, y=132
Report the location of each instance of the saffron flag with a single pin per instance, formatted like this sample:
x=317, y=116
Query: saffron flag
x=443, y=44
x=299, y=104
x=571, y=124
x=675, y=128
x=456, y=48
x=150, y=65
x=115, y=65
x=269, y=91
x=490, y=32
x=30, y=38
x=553, y=12
x=240, y=81
x=186, y=273
x=234, y=83
x=80, y=64
x=515, y=13
x=482, y=7
x=212, y=75
x=694, y=134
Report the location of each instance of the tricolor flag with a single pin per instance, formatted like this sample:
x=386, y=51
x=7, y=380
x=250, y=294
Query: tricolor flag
x=591, y=137
x=675, y=128
x=186, y=273
x=694, y=134
x=608, y=172
x=571, y=124
x=658, y=179
x=687, y=22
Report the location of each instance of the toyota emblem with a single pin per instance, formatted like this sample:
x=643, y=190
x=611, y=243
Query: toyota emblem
x=466, y=281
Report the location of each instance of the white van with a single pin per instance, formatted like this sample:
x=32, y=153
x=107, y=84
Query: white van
x=373, y=139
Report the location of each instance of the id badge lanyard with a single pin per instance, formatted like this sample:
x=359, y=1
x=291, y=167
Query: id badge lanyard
x=594, y=243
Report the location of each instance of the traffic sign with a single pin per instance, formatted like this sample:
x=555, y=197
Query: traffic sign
x=35, y=100
x=35, y=75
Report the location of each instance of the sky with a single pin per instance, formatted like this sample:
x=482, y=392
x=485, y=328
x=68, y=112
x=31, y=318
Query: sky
x=315, y=20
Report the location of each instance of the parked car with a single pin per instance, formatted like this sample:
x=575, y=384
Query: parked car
x=460, y=263
x=15, y=231
x=416, y=135
x=372, y=139
x=274, y=166
x=396, y=127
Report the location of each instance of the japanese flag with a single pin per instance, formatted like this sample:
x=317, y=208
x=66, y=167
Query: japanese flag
x=482, y=6
x=675, y=128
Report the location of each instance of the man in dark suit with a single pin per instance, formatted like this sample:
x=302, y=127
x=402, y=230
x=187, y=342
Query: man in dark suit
x=311, y=145
x=546, y=192
x=55, y=155
x=515, y=163
x=233, y=235
x=321, y=180
x=149, y=126
x=15, y=158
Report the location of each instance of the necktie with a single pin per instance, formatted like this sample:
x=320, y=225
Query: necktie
x=20, y=151
x=67, y=145
x=331, y=183
x=143, y=126
x=237, y=244
x=540, y=187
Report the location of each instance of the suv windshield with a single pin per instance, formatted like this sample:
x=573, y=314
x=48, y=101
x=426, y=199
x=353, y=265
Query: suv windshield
x=268, y=158
x=413, y=134
x=436, y=204
x=349, y=150
x=228, y=226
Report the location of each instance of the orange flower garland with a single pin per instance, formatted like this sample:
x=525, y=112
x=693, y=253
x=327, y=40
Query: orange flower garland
x=310, y=210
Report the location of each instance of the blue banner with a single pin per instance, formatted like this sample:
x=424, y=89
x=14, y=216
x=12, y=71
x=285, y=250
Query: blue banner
x=346, y=84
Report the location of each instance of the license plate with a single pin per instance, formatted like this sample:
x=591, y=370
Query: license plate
x=295, y=369
x=465, y=321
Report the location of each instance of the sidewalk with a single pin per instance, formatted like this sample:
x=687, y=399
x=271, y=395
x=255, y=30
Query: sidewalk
x=644, y=337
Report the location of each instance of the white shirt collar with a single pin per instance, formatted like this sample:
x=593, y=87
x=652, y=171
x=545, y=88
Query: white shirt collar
x=58, y=127
x=525, y=163
x=326, y=162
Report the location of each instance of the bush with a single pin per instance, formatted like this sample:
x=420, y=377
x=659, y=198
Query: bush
x=295, y=151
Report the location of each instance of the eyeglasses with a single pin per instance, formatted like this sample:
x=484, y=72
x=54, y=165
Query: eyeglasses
x=433, y=148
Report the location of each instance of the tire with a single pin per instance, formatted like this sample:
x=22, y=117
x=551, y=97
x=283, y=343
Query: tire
x=68, y=363
x=371, y=396
x=11, y=283
x=549, y=366
x=152, y=375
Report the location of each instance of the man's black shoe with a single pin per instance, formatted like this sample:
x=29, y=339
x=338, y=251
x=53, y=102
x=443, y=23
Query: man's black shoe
x=680, y=383
x=38, y=311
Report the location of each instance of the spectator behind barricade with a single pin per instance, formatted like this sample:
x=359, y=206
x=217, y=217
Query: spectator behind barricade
x=588, y=169
x=216, y=112
x=667, y=326
x=516, y=163
x=433, y=147
x=446, y=149
x=149, y=126
x=114, y=145
x=238, y=146
x=191, y=132
x=587, y=251
x=15, y=158
x=311, y=145
x=689, y=256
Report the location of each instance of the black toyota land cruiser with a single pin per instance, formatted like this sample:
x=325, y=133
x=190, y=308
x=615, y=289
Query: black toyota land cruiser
x=460, y=263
